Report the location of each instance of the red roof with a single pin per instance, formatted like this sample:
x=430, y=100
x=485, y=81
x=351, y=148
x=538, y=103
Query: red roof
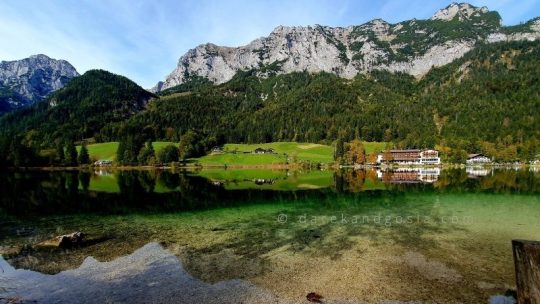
x=404, y=150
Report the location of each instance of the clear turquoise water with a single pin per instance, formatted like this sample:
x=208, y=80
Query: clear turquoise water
x=358, y=235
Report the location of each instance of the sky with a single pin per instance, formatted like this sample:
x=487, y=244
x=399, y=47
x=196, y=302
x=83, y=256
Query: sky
x=143, y=39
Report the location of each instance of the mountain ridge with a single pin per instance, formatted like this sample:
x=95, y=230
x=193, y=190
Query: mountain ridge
x=29, y=80
x=81, y=108
x=485, y=101
x=411, y=46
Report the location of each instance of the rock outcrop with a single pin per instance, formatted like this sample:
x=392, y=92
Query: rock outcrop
x=24, y=82
x=412, y=47
x=462, y=11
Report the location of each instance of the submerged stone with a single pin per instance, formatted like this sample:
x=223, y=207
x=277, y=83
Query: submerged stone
x=314, y=297
x=63, y=241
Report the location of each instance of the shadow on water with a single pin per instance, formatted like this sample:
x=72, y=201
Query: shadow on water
x=326, y=228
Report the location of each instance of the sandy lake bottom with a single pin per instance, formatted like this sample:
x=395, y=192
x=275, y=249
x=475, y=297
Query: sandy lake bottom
x=402, y=244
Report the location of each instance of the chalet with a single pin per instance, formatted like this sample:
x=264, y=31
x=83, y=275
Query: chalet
x=264, y=151
x=263, y=181
x=410, y=157
x=103, y=162
x=217, y=150
x=430, y=157
x=478, y=159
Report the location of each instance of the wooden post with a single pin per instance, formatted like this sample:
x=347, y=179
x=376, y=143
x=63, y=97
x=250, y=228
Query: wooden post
x=527, y=262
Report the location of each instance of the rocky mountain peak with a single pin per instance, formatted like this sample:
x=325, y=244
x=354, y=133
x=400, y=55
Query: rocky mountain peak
x=413, y=47
x=26, y=81
x=40, y=57
x=535, y=25
x=463, y=11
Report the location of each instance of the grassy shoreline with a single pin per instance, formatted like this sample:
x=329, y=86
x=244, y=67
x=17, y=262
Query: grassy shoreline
x=269, y=166
x=283, y=155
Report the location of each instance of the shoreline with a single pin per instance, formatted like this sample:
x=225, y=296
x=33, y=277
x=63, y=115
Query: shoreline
x=272, y=166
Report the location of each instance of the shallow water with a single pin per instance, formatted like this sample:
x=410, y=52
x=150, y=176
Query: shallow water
x=358, y=236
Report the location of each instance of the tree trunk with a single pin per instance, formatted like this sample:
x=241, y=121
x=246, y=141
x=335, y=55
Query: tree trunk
x=527, y=262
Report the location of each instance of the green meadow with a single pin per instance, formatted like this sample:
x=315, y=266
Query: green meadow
x=107, y=151
x=374, y=146
x=285, y=152
x=241, y=154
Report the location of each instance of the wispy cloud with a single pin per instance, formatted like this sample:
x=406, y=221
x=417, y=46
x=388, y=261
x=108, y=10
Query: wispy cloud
x=143, y=39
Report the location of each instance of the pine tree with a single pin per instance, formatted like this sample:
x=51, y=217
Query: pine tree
x=71, y=154
x=128, y=151
x=147, y=154
x=339, y=149
x=168, y=154
x=120, y=152
x=189, y=145
x=60, y=156
x=150, y=148
x=84, y=157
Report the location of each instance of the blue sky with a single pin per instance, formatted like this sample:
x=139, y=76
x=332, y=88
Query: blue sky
x=143, y=39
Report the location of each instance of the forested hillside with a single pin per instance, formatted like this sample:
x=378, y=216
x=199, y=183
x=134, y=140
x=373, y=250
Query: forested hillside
x=78, y=111
x=486, y=102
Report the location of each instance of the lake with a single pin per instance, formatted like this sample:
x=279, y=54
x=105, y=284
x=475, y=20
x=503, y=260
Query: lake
x=266, y=236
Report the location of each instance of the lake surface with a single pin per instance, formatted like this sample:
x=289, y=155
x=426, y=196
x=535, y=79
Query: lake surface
x=264, y=236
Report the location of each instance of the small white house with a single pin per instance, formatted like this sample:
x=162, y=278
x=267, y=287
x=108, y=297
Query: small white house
x=478, y=159
x=430, y=157
x=103, y=162
x=216, y=150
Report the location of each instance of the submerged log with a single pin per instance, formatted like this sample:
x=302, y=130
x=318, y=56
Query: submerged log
x=527, y=263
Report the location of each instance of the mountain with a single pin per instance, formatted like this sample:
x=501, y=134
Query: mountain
x=412, y=47
x=486, y=101
x=79, y=110
x=480, y=98
x=24, y=82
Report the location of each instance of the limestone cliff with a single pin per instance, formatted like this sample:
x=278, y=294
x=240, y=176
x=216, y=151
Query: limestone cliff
x=412, y=47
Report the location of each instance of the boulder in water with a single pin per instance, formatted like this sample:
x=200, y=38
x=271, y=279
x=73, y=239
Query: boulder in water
x=64, y=241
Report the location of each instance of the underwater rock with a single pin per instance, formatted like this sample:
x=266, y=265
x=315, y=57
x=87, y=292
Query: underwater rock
x=311, y=234
x=63, y=241
x=314, y=297
x=8, y=252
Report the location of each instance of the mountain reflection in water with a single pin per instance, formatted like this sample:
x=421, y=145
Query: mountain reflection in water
x=41, y=192
x=148, y=275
